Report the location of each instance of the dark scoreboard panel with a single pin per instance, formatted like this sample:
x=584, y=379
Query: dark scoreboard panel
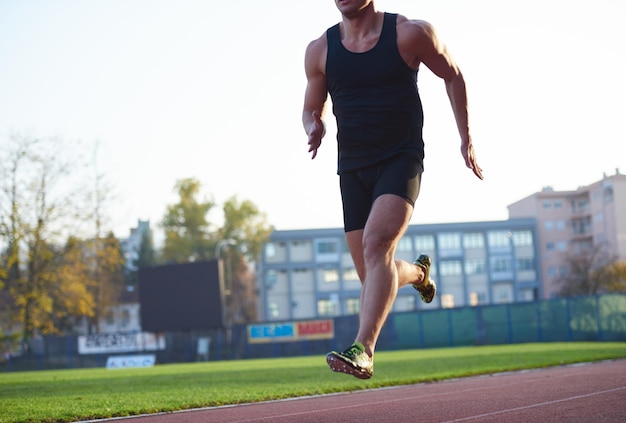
x=181, y=297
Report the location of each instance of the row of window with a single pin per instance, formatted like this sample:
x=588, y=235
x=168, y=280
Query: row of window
x=446, y=268
x=445, y=241
x=329, y=307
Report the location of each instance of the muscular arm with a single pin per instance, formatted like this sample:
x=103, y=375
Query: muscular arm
x=418, y=43
x=315, y=94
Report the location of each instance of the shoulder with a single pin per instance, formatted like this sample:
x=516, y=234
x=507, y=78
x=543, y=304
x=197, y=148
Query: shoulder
x=414, y=30
x=417, y=40
x=317, y=47
x=315, y=55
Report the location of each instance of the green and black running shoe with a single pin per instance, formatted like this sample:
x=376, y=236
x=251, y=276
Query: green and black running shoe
x=353, y=361
x=427, y=289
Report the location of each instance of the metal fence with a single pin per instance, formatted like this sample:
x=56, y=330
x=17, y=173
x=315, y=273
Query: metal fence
x=596, y=318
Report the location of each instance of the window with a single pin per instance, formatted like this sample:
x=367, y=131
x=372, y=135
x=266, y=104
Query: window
x=547, y=204
x=125, y=317
x=473, y=240
x=352, y=305
x=451, y=268
x=350, y=274
x=404, y=245
x=550, y=246
x=560, y=225
x=501, y=264
x=525, y=264
x=326, y=308
x=561, y=246
x=476, y=298
x=548, y=224
x=498, y=238
x=522, y=238
x=449, y=241
x=474, y=266
x=447, y=301
x=558, y=203
x=425, y=243
x=327, y=247
x=270, y=278
x=270, y=250
x=273, y=309
x=330, y=275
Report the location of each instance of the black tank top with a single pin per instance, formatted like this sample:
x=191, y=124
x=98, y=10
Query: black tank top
x=375, y=100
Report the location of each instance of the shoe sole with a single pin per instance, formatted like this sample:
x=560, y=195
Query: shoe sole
x=338, y=365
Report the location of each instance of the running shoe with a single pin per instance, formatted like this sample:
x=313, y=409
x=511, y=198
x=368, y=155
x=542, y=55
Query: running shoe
x=353, y=361
x=428, y=288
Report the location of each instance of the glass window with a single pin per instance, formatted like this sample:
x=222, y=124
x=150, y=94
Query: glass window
x=473, y=240
x=350, y=274
x=327, y=247
x=353, y=305
x=425, y=243
x=404, y=245
x=330, y=275
x=447, y=301
x=326, y=308
x=270, y=250
x=451, y=268
x=501, y=264
x=498, y=238
x=273, y=309
x=270, y=278
x=522, y=238
x=547, y=204
x=449, y=241
x=525, y=264
x=474, y=266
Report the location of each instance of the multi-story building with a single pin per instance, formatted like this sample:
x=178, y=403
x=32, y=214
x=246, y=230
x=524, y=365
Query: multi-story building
x=309, y=273
x=124, y=317
x=573, y=221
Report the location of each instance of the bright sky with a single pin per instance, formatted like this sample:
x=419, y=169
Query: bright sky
x=213, y=90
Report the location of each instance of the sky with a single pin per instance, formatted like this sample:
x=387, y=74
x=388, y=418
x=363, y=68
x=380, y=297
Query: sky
x=213, y=90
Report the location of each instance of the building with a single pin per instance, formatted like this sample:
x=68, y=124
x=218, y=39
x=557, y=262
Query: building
x=306, y=274
x=125, y=316
x=569, y=222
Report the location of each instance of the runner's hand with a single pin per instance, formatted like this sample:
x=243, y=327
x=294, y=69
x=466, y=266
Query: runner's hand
x=317, y=130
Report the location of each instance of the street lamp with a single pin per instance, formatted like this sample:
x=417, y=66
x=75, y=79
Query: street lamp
x=227, y=292
x=221, y=244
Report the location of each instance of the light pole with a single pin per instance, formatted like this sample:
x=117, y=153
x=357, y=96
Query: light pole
x=227, y=291
x=221, y=244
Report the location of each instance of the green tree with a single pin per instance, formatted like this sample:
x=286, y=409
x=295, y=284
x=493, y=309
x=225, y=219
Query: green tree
x=188, y=235
x=246, y=227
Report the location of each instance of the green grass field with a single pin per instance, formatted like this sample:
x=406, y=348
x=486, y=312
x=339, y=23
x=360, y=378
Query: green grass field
x=83, y=394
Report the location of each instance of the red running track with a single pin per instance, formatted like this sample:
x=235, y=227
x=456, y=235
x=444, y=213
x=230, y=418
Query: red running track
x=591, y=392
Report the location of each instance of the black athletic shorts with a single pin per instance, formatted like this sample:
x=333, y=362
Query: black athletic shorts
x=399, y=175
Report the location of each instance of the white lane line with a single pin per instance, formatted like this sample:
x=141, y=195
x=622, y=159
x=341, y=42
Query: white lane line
x=541, y=404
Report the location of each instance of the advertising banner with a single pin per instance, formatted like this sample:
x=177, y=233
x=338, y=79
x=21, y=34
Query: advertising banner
x=291, y=331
